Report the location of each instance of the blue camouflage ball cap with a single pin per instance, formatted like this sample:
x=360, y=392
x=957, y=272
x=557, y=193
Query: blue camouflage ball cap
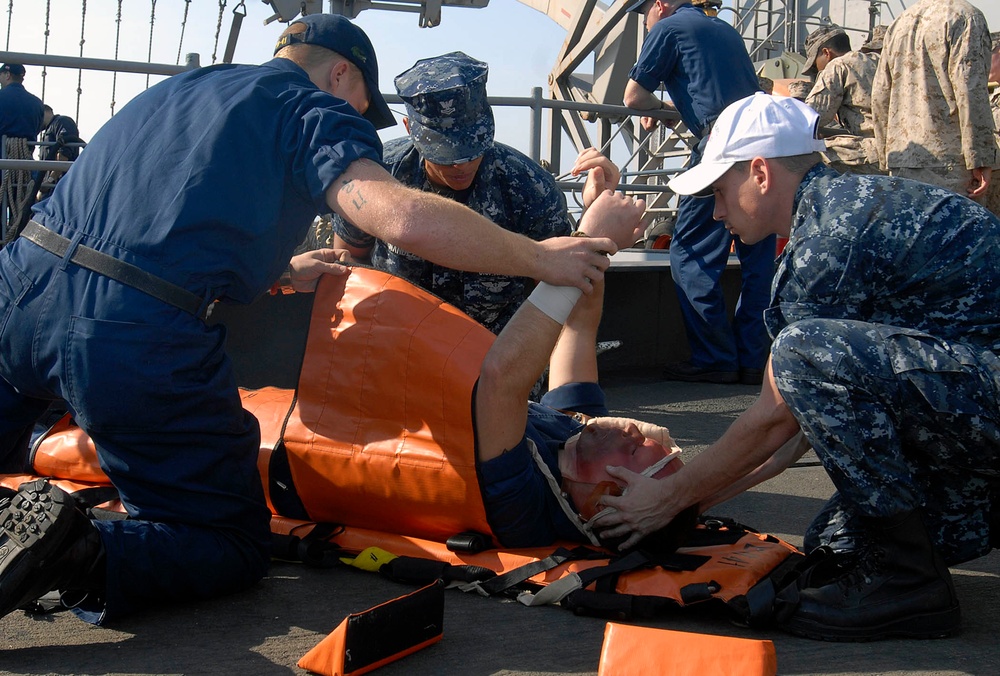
x=450, y=120
x=337, y=33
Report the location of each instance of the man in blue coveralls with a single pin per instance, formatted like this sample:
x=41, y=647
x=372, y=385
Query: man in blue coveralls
x=704, y=67
x=20, y=110
x=20, y=121
x=450, y=151
x=198, y=190
x=885, y=362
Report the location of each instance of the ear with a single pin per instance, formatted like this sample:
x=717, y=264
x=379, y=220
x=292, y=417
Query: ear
x=338, y=76
x=406, y=124
x=761, y=174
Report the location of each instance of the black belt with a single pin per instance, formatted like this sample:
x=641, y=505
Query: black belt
x=120, y=271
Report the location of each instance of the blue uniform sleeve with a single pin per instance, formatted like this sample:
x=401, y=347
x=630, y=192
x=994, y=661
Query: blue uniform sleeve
x=350, y=233
x=515, y=495
x=324, y=139
x=586, y=398
x=657, y=58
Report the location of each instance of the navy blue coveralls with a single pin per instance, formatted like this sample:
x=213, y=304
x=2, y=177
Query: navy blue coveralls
x=207, y=180
x=704, y=67
x=21, y=112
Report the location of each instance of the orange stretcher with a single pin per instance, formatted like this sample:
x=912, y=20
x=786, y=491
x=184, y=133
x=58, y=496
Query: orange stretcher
x=378, y=440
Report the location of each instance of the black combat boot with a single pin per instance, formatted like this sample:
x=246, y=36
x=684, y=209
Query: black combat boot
x=895, y=585
x=46, y=543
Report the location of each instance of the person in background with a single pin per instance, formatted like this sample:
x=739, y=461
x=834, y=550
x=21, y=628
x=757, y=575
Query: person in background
x=20, y=110
x=20, y=121
x=60, y=137
x=992, y=199
x=451, y=151
x=873, y=45
x=842, y=95
x=930, y=98
x=704, y=66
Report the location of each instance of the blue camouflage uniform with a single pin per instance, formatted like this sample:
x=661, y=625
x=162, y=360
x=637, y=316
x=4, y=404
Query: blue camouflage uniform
x=886, y=332
x=521, y=509
x=207, y=180
x=21, y=112
x=451, y=123
x=703, y=64
x=511, y=190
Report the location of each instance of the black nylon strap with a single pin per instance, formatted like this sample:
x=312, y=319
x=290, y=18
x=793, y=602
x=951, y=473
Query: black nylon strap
x=631, y=561
x=120, y=271
x=518, y=575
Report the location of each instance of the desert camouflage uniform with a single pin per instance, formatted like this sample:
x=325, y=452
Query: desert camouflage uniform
x=511, y=190
x=930, y=100
x=886, y=329
x=843, y=94
x=992, y=200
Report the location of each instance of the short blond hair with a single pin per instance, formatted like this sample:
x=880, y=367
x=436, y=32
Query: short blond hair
x=306, y=55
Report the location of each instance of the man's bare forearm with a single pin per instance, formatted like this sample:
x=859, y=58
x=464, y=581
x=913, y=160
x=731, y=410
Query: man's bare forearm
x=450, y=234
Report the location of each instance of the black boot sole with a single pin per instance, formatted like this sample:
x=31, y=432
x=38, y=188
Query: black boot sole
x=939, y=624
x=33, y=528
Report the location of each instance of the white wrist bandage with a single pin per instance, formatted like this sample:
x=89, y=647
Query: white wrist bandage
x=555, y=301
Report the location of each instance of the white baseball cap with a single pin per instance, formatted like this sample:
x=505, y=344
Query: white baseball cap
x=761, y=125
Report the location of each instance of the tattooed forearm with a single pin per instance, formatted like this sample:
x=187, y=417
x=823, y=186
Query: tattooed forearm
x=357, y=199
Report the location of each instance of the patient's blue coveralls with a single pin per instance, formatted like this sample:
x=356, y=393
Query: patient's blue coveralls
x=704, y=67
x=520, y=506
x=207, y=180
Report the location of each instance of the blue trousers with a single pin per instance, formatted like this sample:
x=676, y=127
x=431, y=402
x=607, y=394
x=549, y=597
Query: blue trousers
x=901, y=420
x=154, y=389
x=699, y=252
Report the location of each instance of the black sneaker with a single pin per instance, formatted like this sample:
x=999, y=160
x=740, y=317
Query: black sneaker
x=37, y=526
x=687, y=372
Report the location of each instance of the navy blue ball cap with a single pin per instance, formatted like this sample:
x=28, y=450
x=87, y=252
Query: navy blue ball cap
x=451, y=121
x=338, y=34
x=637, y=6
x=15, y=69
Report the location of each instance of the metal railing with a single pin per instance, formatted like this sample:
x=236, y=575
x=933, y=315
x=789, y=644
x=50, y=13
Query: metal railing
x=646, y=160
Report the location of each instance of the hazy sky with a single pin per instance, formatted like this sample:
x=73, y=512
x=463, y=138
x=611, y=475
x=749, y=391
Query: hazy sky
x=519, y=43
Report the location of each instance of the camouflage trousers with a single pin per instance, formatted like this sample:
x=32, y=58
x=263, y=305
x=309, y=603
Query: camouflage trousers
x=901, y=420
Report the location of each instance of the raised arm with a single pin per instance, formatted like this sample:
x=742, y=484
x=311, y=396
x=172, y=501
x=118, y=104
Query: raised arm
x=602, y=174
x=521, y=351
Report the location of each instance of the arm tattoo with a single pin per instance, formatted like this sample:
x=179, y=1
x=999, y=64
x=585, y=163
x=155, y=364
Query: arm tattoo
x=358, y=200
